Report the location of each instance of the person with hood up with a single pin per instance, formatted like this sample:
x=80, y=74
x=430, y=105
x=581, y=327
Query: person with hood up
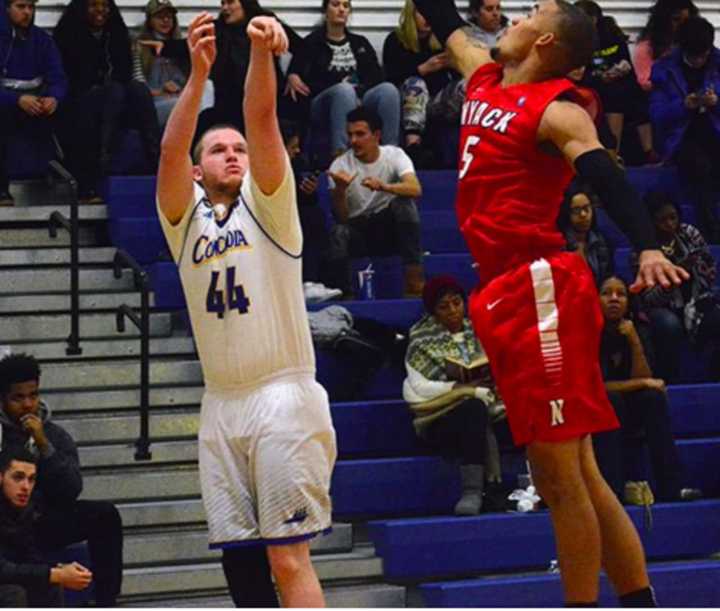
x=25, y=423
x=32, y=81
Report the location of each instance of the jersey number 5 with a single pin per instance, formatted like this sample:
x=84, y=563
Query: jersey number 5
x=467, y=156
x=236, y=299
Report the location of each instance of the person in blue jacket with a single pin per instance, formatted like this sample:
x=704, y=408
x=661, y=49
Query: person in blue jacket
x=32, y=80
x=686, y=115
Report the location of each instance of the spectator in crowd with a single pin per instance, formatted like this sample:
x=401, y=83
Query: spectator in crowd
x=578, y=222
x=611, y=74
x=452, y=417
x=685, y=112
x=25, y=423
x=32, y=81
x=415, y=63
x=690, y=310
x=658, y=36
x=161, y=59
x=26, y=579
x=336, y=71
x=233, y=59
x=312, y=219
x=373, y=188
x=639, y=399
x=95, y=46
x=490, y=24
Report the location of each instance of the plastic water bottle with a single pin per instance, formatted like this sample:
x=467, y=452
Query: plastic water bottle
x=365, y=281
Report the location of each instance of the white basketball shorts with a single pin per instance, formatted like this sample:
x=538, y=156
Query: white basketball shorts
x=266, y=457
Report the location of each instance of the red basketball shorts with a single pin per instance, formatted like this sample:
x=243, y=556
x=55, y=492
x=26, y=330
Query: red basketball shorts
x=540, y=325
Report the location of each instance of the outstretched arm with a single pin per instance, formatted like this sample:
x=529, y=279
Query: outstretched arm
x=266, y=150
x=570, y=129
x=175, y=186
x=466, y=53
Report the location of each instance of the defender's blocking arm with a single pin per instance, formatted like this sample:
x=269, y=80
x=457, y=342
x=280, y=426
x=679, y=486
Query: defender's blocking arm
x=571, y=130
x=466, y=53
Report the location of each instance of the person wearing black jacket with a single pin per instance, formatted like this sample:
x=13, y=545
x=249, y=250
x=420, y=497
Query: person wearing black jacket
x=95, y=47
x=26, y=579
x=231, y=65
x=337, y=71
x=25, y=424
x=612, y=75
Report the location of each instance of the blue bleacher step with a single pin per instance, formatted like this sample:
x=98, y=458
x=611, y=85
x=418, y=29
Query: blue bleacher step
x=375, y=428
x=693, y=409
x=422, y=548
x=676, y=584
x=440, y=232
x=394, y=486
x=130, y=196
x=384, y=428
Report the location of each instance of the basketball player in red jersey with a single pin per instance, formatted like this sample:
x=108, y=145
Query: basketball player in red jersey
x=524, y=135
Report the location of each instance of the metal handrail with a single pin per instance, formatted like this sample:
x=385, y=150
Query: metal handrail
x=57, y=220
x=140, y=279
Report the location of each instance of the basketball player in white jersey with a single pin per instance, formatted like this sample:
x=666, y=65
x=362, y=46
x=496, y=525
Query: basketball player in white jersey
x=266, y=442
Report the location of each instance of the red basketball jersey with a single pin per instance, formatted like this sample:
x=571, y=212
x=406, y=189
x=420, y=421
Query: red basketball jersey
x=509, y=191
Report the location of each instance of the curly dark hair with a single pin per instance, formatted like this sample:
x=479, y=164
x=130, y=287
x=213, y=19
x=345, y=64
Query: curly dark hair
x=575, y=188
x=659, y=28
x=17, y=368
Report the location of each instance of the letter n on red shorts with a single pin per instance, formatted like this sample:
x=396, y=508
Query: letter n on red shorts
x=540, y=325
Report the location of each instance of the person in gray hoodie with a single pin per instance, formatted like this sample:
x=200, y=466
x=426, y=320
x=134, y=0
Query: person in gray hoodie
x=25, y=423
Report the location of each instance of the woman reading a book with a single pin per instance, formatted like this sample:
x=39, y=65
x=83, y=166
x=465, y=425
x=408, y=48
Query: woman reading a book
x=450, y=390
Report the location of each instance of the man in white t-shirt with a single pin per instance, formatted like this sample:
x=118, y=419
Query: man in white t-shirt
x=373, y=188
x=266, y=444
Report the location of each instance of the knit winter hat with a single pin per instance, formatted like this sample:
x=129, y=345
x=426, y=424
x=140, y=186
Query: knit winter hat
x=436, y=288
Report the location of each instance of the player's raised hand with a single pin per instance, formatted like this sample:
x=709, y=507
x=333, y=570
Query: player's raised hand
x=201, y=42
x=267, y=33
x=656, y=269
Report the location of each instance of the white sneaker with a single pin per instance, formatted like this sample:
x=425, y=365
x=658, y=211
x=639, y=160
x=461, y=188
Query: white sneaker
x=316, y=292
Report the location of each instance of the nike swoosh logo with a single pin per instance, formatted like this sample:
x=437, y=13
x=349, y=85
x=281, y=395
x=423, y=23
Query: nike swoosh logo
x=490, y=306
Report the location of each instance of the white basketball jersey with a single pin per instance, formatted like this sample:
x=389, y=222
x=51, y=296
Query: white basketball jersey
x=242, y=279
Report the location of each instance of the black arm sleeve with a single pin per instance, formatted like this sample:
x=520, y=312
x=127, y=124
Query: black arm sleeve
x=442, y=15
x=621, y=201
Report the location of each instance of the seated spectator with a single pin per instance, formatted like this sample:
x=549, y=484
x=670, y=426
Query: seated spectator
x=95, y=46
x=372, y=189
x=337, y=71
x=233, y=59
x=611, y=74
x=452, y=417
x=490, y=24
x=26, y=579
x=25, y=423
x=690, y=310
x=578, y=222
x=685, y=111
x=312, y=220
x=32, y=82
x=639, y=399
x=658, y=36
x=416, y=64
x=161, y=59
